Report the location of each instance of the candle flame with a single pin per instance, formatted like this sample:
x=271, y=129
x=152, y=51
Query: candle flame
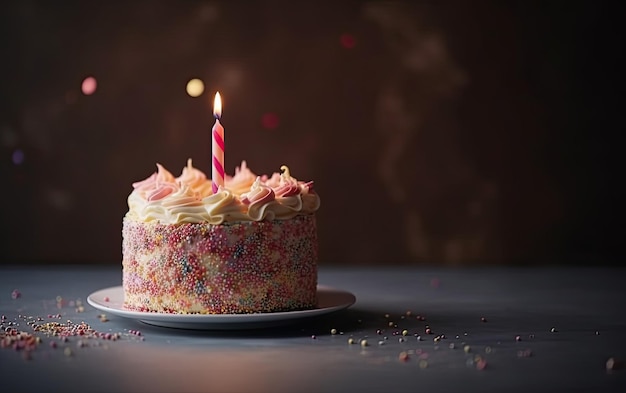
x=217, y=105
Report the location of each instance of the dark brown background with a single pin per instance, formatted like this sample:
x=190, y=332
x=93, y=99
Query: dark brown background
x=452, y=133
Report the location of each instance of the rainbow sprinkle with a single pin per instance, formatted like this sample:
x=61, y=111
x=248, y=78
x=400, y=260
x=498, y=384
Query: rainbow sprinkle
x=232, y=268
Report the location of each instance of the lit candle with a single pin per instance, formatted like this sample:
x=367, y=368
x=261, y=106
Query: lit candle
x=217, y=173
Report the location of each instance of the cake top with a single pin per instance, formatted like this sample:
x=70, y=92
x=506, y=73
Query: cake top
x=244, y=197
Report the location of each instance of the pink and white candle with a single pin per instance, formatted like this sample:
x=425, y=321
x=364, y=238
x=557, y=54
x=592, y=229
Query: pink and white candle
x=217, y=167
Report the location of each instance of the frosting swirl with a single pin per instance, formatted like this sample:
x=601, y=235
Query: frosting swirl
x=184, y=205
x=260, y=201
x=224, y=206
x=245, y=197
x=196, y=179
x=241, y=181
x=157, y=186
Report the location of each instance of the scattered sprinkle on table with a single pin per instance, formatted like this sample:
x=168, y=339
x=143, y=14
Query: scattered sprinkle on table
x=614, y=364
x=481, y=364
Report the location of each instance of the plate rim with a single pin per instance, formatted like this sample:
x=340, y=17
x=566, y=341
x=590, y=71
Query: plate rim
x=221, y=320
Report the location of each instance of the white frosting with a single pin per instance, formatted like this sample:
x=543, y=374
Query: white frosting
x=245, y=197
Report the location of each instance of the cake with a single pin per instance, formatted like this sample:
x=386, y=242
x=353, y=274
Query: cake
x=251, y=247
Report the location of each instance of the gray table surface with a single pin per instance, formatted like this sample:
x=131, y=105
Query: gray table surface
x=584, y=307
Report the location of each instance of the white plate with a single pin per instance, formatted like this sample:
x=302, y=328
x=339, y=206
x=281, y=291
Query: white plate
x=328, y=300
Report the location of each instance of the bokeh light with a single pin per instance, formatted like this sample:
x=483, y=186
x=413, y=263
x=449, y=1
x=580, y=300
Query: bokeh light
x=89, y=86
x=195, y=87
x=347, y=41
x=270, y=120
x=18, y=157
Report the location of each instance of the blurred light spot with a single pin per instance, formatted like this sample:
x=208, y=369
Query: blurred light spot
x=9, y=137
x=347, y=41
x=89, y=86
x=195, y=87
x=18, y=157
x=270, y=120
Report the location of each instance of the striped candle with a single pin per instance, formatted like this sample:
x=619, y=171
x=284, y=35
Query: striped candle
x=217, y=172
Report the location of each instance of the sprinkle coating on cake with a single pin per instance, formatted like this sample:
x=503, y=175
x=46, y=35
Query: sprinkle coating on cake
x=221, y=269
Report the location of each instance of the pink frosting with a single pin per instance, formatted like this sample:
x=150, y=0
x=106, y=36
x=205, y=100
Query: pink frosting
x=307, y=187
x=259, y=194
x=287, y=188
x=242, y=180
x=193, y=177
x=273, y=181
x=159, y=185
x=161, y=191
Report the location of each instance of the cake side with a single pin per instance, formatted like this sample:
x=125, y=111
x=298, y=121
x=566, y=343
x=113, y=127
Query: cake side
x=230, y=268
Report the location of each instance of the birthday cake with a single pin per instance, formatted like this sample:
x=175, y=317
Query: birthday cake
x=249, y=247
